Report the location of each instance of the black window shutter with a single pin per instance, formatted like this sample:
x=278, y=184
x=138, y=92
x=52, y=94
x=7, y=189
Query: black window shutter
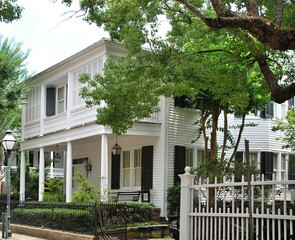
x=50, y=101
x=147, y=167
x=239, y=156
x=291, y=170
x=179, y=162
x=31, y=158
x=115, y=178
x=266, y=164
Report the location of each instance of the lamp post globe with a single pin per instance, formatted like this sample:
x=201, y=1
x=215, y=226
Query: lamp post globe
x=8, y=141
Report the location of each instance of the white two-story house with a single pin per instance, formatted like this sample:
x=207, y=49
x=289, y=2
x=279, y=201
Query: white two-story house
x=154, y=151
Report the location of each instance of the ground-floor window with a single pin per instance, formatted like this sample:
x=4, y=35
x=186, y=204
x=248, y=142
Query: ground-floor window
x=131, y=168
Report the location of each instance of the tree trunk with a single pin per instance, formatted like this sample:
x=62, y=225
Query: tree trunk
x=213, y=143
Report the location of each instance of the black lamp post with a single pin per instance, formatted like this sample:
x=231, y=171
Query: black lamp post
x=8, y=144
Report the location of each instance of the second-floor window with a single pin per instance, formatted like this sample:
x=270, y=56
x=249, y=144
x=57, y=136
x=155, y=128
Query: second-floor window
x=61, y=106
x=56, y=100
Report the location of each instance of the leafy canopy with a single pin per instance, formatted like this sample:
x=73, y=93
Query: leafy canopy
x=266, y=28
x=9, y=11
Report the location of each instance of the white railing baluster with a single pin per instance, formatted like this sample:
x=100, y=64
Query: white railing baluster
x=279, y=224
x=267, y=225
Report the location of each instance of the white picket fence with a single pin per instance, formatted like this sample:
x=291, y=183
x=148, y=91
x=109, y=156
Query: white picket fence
x=228, y=214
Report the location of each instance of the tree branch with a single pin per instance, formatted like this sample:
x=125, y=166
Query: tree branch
x=252, y=7
x=279, y=93
x=279, y=10
x=264, y=30
x=193, y=8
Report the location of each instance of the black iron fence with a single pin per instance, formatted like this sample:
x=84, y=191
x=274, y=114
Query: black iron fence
x=99, y=219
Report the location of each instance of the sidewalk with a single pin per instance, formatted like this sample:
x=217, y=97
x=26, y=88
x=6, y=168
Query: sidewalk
x=16, y=236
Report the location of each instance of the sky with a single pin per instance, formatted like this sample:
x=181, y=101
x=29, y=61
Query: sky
x=48, y=34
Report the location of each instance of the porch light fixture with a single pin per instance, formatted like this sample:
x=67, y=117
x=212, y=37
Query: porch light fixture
x=56, y=157
x=8, y=144
x=88, y=167
x=116, y=149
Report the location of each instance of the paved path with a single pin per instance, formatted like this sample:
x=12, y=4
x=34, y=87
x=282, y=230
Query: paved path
x=16, y=236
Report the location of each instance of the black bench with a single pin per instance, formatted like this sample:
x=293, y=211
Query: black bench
x=127, y=196
x=145, y=230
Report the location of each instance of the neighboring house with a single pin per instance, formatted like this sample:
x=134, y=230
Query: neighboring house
x=154, y=151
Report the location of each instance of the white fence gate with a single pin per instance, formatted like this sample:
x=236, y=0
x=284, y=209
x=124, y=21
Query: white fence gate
x=234, y=213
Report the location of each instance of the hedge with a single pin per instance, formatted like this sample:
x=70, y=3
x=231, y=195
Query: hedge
x=60, y=218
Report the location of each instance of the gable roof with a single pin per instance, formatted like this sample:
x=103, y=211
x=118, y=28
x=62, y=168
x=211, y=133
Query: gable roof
x=76, y=55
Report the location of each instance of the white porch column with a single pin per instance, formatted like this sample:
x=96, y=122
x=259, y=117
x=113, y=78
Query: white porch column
x=22, y=187
x=104, y=167
x=42, y=109
x=41, y=174
x=186, y=201
x=69, y=173
x=70, y=100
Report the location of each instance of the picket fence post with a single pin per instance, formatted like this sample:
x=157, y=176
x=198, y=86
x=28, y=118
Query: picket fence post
x=186, y=199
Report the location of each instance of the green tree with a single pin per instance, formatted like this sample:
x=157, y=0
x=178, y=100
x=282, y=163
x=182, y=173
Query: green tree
x=288, y=127
x=13, y=74
x=9, y=11
x=212, y=81
x=267, y=28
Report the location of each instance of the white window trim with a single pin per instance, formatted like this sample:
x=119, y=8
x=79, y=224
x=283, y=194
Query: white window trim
x=132, y=169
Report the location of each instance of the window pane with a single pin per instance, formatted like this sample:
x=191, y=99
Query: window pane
x=189, y=157
x=283, y=162
x=253, y=158
x=137, y=177
x=61, y=100
x=137, y=167
x=126, y=177
x=137, y=158
x=275, y=161
x=61, y=93
x=60, y=107
x=126, y=159
x=126, y=169
x=200, y=156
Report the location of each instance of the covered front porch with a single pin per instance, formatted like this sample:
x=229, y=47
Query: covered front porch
x=88, y=149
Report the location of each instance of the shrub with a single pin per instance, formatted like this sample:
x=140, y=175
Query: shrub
x=60, y=218
x=173, y=199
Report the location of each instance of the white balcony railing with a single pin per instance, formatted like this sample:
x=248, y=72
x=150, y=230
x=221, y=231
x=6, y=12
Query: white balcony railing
x=78, y=116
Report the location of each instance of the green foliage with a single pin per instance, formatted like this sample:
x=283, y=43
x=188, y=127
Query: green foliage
x=71, y=219
x=32, y=179
x=13, y=196
x=288, y=127
x=13, y=73
x=10, y=11
x=87, y=192
x=173, y=199
x=53, y=187
x=79, y=218
x=219, y=168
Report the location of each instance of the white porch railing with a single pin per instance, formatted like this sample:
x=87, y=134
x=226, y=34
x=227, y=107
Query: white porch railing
x=228, y=214
x=55, y=172
x=78, y=116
